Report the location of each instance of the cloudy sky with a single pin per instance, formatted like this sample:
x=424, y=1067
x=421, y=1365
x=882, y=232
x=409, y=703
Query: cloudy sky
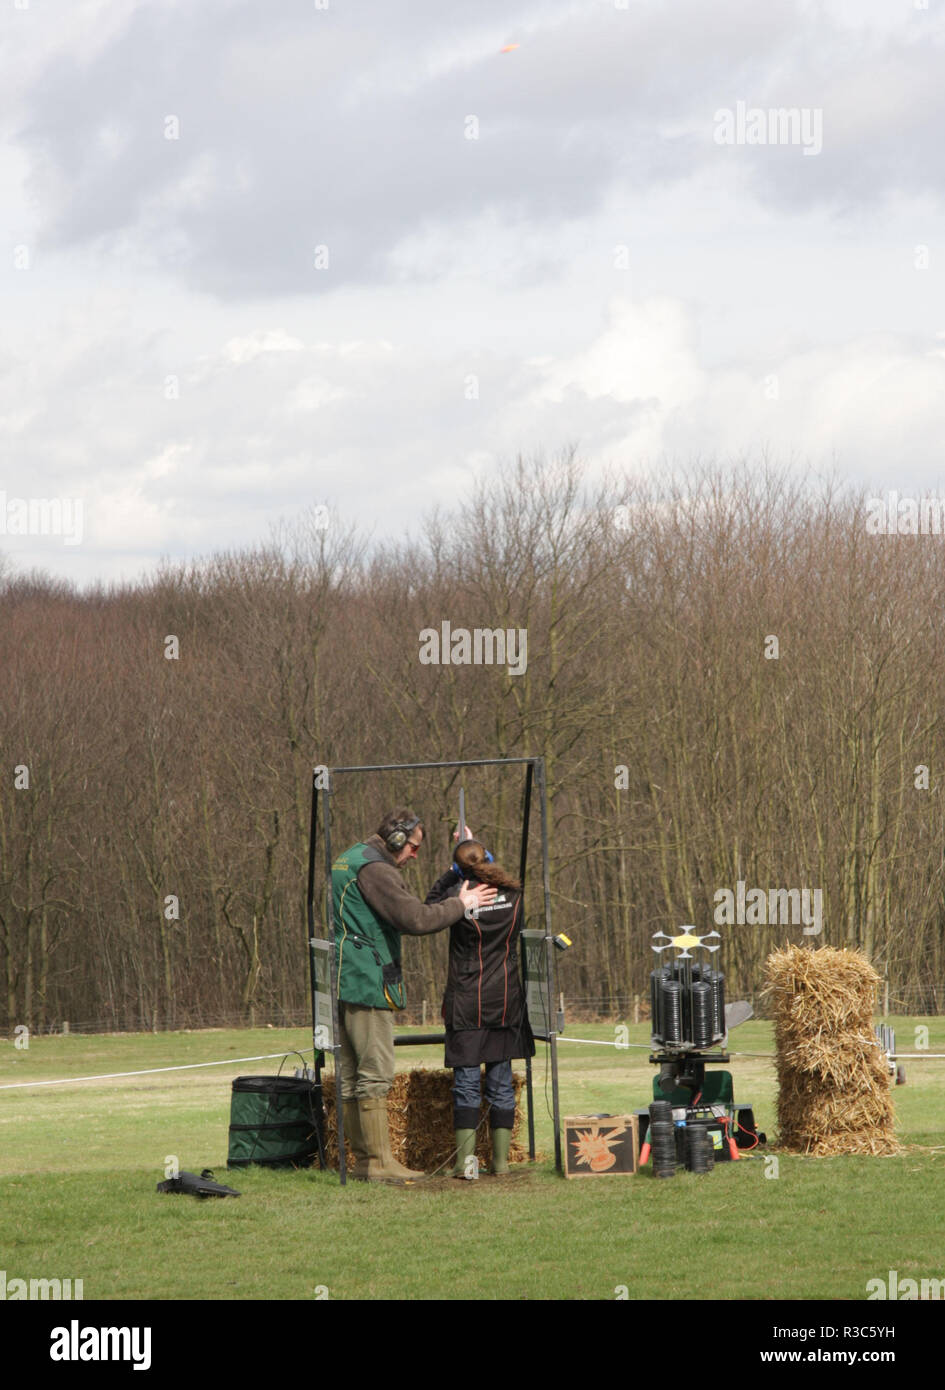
x=264, y=254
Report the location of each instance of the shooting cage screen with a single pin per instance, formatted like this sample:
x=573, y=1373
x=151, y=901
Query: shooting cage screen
x=538, y=987
x=323, y=1022
x=537, y=946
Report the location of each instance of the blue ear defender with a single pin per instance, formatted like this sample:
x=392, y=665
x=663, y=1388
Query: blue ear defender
x=455, y=867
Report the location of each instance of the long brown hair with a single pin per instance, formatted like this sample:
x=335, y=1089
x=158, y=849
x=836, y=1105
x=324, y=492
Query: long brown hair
x=472, y=862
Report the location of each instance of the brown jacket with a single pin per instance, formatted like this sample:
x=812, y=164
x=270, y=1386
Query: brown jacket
x=383, y=889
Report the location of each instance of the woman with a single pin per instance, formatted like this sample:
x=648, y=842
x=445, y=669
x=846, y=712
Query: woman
x=484, y=1003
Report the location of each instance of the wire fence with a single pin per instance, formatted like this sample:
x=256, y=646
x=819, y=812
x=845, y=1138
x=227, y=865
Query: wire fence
x=924, y=1002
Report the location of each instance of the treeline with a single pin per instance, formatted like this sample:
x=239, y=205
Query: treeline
x=731, y=680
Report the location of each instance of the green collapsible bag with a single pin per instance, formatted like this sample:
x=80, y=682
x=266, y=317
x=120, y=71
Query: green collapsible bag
x=275, y=1121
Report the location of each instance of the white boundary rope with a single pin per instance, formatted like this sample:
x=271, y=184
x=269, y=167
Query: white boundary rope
x=269, y=1056
x=769, y=1056
x=152, y=1071
x=648, y=1047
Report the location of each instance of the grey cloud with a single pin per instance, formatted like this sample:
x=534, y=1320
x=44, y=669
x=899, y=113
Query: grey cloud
x=344, y=127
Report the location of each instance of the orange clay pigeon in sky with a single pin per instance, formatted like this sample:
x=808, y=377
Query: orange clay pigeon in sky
x=508, y=48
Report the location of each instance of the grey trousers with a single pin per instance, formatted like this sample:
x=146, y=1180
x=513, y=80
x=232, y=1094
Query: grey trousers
x=367, y=1051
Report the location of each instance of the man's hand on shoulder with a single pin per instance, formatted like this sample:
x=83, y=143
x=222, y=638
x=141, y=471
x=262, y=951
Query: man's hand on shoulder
x=472, y=898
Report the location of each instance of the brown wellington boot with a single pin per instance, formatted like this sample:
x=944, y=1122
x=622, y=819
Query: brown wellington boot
x=355, y=1138
x=381, y=1164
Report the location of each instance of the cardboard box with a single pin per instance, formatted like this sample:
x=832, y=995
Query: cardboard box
x=598, y=1146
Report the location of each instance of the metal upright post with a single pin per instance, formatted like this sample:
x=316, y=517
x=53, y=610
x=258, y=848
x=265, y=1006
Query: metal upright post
x=522, y=865
x=310, y=926
x=549, y=961
x=310, y=915
x=336, y=1048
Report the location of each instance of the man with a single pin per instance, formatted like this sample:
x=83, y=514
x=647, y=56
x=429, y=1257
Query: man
x=372, y=908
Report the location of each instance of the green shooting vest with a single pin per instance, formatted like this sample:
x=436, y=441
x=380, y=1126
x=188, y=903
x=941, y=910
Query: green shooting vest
x=367, y=948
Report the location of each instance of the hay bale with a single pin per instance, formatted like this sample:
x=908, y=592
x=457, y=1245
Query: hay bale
x=420, y=1119
x=833, y=1082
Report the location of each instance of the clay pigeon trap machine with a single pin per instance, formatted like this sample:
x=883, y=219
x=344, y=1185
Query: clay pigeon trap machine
x=690, y=1025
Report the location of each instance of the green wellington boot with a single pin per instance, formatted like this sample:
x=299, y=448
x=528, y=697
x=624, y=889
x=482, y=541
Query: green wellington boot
x=465, y=1148
x=501, y=1143
x=381, y=1164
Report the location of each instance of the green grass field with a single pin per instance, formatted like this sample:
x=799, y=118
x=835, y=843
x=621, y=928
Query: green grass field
x=79, y=1165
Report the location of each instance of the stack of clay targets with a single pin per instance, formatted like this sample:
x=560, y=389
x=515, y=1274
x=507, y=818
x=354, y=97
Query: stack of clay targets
x=700, y=1156
x=687, y=1004
x=662, y=1137
x=833, y=1078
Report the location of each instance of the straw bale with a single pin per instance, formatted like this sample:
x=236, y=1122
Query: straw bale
x=846, y=1058
x=833, y=1080
x=826, y=990
x=420, y=1118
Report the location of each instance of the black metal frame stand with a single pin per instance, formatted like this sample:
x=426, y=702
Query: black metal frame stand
x=322, y=780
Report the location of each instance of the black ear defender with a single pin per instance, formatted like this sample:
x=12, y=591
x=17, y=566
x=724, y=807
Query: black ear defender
x=401, y=832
